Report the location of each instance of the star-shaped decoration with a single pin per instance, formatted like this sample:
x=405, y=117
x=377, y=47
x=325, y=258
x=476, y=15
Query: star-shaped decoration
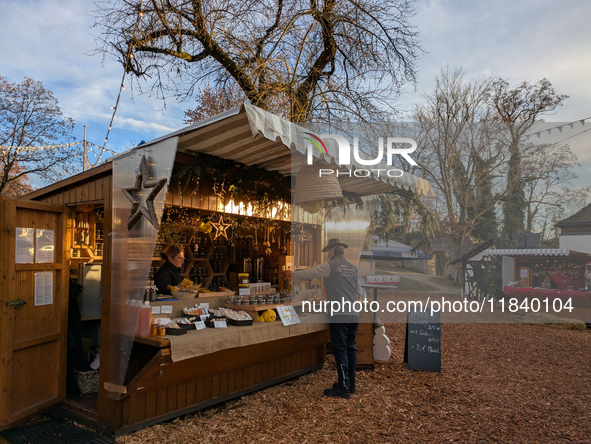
x=220, y=228
x=149, y=212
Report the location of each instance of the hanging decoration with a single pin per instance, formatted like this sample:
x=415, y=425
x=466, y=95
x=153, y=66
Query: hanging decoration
x=267, y=242
x=219, y=189
x=196, y=180
x=249, y=184
x=143, y=179
x=220, y=228
x=180, y=191
x=255, y=241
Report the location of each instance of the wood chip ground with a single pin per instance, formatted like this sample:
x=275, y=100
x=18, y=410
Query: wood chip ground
x=500, y=383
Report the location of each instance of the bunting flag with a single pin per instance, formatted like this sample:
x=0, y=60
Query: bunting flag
x=559, y=128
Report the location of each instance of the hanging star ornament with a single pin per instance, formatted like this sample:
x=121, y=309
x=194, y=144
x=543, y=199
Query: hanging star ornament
x=131, y=192
x=220, y=228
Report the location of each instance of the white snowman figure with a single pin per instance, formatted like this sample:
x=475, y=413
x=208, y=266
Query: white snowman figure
x=381, y=345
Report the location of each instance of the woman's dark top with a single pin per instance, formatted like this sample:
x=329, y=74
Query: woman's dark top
x=167, y=275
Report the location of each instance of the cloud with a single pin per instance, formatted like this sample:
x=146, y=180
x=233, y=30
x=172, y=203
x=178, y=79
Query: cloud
x=141, y=125
x=51, y=42
x=519, y=40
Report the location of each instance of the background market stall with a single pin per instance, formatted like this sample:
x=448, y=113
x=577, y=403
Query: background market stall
x=548, y=274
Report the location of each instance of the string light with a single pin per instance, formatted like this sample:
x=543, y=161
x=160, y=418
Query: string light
x=128, y=57
x=40, y=147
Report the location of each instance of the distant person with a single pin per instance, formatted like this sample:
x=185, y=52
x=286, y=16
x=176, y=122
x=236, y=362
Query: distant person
x=170, y=272
x=341, y=280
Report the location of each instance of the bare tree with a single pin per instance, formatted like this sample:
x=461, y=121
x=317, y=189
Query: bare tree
x=548, y=184
x=19, y=187
x=459, y=153
x=30, y=122
x=518, y=109
x=212, y=100
x=325, y=59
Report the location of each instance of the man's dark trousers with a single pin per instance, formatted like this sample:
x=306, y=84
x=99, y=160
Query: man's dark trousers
x=343, y=337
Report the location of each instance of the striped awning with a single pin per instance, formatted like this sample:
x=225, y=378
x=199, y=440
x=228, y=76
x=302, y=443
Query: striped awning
x=249, y=135
x=530, y=252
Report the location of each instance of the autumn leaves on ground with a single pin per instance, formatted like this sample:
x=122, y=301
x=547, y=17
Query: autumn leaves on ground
x=507, y=383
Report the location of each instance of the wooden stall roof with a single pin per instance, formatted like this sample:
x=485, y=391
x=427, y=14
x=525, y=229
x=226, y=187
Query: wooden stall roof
x=86, y=187
x=255, y=137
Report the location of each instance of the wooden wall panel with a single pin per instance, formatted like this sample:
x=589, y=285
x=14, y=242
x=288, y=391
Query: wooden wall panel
x=103, y=188
x=188, y=394
x=151, y=402
x=224, y=383
x=85, y=192
x=231, y=381
x=33, y=384
x=190, y=400
x=208, y=388
x=91, y=191
x=161, y=398
x=171, y=399
x=199, y=391
x=181, y=396
x=138, y=407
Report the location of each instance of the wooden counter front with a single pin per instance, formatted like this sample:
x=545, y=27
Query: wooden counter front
x=162, y=389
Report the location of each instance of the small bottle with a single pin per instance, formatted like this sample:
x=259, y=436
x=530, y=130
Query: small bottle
x=145, y=319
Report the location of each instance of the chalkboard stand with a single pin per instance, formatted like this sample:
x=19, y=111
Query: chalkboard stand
x=422, y=347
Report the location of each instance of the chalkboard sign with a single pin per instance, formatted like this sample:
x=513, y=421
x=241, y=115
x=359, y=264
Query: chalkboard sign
x=423, y=341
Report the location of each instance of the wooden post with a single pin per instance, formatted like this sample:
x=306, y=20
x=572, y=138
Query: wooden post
x=107, y=407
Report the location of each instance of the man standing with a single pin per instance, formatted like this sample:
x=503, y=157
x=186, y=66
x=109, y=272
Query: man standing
x=342, y=284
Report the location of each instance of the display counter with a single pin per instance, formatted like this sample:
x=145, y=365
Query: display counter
x=173, y=375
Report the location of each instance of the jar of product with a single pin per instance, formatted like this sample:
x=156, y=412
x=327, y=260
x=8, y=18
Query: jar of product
x=243, y=280
x=161, y=330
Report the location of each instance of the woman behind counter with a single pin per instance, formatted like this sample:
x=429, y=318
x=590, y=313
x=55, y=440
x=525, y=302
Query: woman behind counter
x=170, y=272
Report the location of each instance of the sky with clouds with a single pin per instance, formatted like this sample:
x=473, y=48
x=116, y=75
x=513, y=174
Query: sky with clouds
x=52, y=41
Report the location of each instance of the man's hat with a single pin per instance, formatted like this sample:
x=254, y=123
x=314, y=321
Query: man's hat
x=334, y=243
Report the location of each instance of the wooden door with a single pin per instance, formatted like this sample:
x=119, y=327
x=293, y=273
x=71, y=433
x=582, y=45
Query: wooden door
x=33, y=321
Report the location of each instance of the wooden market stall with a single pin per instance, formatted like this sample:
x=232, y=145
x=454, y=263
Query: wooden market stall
x=111, y=222
x=549, y=274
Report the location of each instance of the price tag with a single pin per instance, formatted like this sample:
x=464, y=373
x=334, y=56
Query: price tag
x=166, y=309
x=219, y=324
x=204, y=318
x=244, y=291
x=204, y=305
x=156, y=310
x=288, y=315
x=199, y=325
